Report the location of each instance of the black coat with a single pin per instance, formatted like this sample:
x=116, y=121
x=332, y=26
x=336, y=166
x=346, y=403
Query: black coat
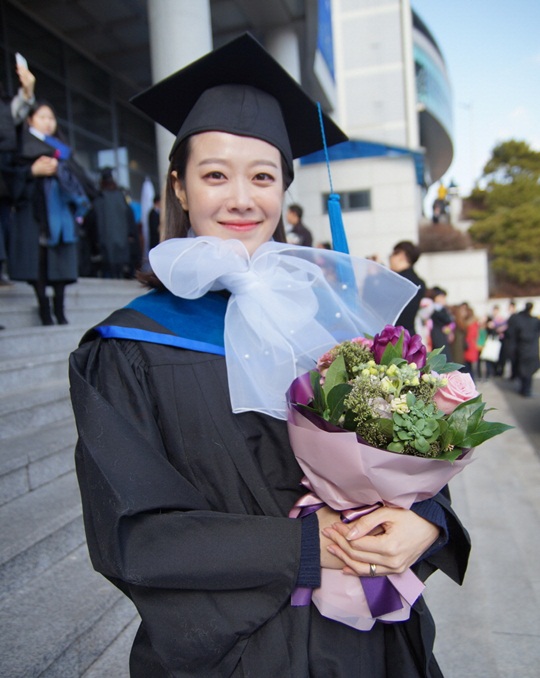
x=441, y=317
x=522, y=338
x=185, y=507
x=30, y=220
x=408, y=315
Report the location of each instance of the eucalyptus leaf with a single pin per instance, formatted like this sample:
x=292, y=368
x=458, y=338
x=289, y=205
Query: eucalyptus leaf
x=335, y=401
x=484, y=431
x=336, y=374
x=392, y=352
x=319, y=400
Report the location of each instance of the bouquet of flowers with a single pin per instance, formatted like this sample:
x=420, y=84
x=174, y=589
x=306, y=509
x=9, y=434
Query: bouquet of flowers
x=381, y=421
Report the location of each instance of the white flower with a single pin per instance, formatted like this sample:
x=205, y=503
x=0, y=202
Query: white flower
x=380, y=408
x=399, y=405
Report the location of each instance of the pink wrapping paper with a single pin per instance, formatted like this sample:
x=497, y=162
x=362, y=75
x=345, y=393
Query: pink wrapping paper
x=345, y=473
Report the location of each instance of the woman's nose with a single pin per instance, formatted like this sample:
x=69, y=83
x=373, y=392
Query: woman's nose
x=241, y=195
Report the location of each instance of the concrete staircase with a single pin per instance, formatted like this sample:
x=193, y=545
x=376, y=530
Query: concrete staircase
x=58, y=617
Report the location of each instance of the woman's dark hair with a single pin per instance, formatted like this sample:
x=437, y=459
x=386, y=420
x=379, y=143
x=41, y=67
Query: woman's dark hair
x=176, y=223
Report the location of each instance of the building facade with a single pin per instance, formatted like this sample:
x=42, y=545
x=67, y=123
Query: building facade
x=372, y=64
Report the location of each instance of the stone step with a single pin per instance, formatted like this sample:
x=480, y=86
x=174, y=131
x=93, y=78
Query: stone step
x=34, y=341
x=31, y=460
x=92, y=298
x=38, y=529
x=76, y=316
x=28, y=410
x=115, y=660
x=59, y=624
x=32, y=370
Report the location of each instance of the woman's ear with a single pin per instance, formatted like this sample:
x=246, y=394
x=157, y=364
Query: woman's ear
x=179, y=190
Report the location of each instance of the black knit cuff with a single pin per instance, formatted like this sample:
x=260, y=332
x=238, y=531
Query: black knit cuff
x=309, y=572
x=431, y=510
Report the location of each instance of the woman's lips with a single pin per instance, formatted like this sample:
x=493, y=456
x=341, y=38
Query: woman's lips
x=240, y=225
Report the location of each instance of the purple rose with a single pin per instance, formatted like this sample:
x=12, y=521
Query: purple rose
x=415, y=352
x=413, y=349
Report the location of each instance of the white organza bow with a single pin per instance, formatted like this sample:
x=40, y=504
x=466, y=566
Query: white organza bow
x=288, y=306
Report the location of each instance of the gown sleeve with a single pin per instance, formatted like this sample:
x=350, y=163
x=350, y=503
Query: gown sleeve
x=211, y=577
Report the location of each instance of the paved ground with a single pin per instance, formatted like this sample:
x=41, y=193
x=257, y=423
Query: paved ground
x=490, y=627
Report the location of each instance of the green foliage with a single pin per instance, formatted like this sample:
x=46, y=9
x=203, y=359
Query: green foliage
x=419, y=429
x=391, y=404
x=436, y=362
x=507, y=214
x=329, y=397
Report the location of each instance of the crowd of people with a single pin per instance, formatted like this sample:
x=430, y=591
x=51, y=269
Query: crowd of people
x=498, y=344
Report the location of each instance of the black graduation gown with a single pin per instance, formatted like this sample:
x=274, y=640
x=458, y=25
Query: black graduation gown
x=185, y=509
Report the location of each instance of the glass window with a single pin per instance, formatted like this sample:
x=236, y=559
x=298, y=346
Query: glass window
x=87, y=150
x=91, y=116
x=351, y=201
x=134, y=126
x=34, y=42
x=52, y=91
x=86, y=76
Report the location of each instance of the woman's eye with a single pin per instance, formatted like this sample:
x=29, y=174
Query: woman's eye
x=215, y=175
x=264, y=176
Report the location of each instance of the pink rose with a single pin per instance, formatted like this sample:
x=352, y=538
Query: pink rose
x=460, y=387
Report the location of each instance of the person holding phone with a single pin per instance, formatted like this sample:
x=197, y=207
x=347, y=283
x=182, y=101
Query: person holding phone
x=48, y=198
x=12, y=113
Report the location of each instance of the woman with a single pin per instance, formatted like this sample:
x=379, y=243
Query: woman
x=186, y=478
x=48, y=197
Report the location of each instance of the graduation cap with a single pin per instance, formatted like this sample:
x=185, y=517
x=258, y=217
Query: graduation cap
x=240, y=89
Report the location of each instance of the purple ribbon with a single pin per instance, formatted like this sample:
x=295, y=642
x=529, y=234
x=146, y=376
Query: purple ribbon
x=381, y=596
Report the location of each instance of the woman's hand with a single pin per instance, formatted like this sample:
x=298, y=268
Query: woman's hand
x=327, y=517
x=392, y=539
x=28, y=82
x=44, y=166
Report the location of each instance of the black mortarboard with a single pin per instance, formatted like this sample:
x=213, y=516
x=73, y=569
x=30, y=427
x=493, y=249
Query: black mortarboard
x=239, y=88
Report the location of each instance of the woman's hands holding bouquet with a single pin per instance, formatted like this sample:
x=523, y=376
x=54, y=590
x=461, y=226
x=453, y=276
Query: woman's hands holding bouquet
x=392, y=539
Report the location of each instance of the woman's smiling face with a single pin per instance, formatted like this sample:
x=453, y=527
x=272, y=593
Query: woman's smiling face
x=233, y=188
x=43, y=120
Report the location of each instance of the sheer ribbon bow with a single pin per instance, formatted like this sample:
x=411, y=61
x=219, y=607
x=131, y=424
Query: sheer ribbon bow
x=288, y=306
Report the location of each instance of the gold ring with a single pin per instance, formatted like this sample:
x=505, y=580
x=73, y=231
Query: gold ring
x=372, y=570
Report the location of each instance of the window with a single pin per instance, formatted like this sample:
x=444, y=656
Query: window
x=351, y=201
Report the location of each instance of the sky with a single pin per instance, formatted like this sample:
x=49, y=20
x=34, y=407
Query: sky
x=492, y=55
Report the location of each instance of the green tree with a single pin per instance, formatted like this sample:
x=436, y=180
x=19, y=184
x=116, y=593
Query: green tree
x=506, y=217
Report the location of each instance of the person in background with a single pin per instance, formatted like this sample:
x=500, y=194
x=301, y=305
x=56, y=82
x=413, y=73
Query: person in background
x=442, y=327
x=185, y=495
x=423, y=320
x=471, y=351
x=13, y=112
x=462, y=314
x=298, y=234
x=402, y=260
x=153, y=221
x=111, y=227
x=523, y=335
x=505, y=356
x=48, y=199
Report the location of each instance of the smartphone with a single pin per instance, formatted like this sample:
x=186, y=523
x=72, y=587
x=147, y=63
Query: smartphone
x=20, y=60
